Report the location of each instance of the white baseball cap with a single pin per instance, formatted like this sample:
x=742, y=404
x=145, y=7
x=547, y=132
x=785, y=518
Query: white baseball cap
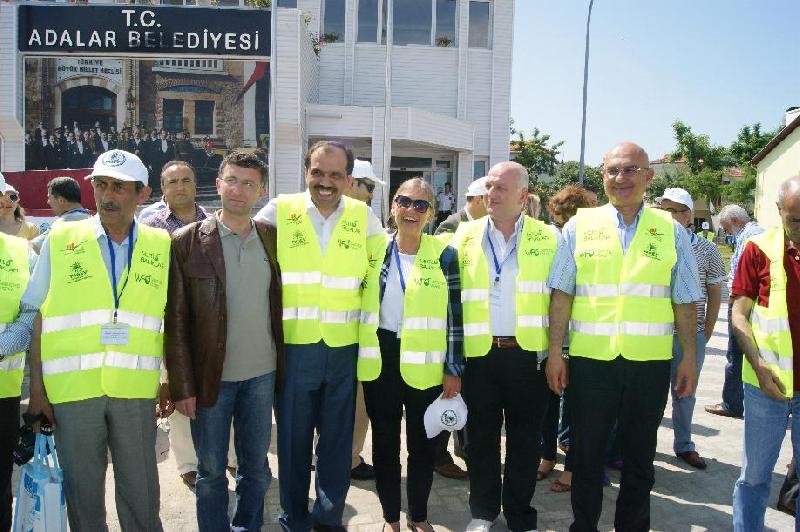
x=477, y=188
x=445, y=414
x=363, y=170
x=678, y=195
x=3, y=184
x=705, y=226
x=121, y=165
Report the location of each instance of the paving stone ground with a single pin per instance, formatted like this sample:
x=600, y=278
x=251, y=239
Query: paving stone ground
x=683, y=499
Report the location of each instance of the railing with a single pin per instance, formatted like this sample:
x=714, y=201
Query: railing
x=194, y=66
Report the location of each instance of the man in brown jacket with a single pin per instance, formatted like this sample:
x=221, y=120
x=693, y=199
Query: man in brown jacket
x=224, y=343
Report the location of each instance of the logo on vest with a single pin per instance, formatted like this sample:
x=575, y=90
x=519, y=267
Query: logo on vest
x=593, y=235
x=148, y=280
x=449, y=418
x=428, y=264
x=427, y=282
x=153, y=259
x=73, y=248
x=346, y=243
x=8, y=265
x=592, y=252
x=298, y=239
x=77, y=273
x=351, y=226
x=651, y=251
x=8, y=286
x=538, y=252
x=538, y=235
x=653, y=233
x=294, y=218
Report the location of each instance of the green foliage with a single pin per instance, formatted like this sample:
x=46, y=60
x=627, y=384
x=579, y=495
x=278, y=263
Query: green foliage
x=697, y=150
x=748, y=143
x=742, y=192
x=535, y=152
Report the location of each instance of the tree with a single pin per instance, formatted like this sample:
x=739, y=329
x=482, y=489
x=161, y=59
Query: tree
x=748, y=143
x=535, y=153
x=697, y=151
x=567, y=174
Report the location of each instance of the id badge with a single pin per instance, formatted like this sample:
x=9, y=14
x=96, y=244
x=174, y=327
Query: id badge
x=114, y=334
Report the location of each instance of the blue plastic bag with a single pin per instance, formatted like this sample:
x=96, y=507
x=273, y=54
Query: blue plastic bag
x=40, y=496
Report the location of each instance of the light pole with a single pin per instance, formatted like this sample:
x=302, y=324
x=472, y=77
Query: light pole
x=581, y=170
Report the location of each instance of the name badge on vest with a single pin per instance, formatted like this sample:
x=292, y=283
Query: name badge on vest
x=114, y=334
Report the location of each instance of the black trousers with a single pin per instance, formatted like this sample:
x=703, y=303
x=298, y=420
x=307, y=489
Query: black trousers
x=505, y=384
x=385, y=398
x=634, y=395
x=9, y=430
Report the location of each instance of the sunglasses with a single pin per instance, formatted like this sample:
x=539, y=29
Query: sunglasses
x=12, y=196
x=419, y=205
x=369, y=186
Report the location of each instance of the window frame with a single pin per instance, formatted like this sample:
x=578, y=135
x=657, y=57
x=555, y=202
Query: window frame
x=379, y=40
x=213, y=131
x=322, y=9
x=490, y=22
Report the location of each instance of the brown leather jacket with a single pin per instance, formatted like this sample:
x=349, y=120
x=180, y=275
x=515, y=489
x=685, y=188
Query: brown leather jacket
x=195, y=326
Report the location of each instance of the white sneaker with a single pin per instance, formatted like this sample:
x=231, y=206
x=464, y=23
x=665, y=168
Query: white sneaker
x=479, y=525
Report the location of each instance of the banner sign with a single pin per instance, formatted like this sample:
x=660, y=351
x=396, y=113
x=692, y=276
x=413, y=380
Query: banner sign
x=157, y=31
x=110, y=69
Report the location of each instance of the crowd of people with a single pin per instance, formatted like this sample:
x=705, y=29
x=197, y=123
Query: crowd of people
x=574, y=332
x=79, y=147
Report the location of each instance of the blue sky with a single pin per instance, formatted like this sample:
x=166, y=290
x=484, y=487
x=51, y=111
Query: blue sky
x=714, y=64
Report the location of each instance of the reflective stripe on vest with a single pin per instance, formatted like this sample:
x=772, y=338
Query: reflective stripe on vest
x=770, y=324
x=622, y=304
x=76, y=365
x=535, y=248
x=14, y=276
x=89, y=318
x=321, y=293
x=113, y=359
x=423, y=333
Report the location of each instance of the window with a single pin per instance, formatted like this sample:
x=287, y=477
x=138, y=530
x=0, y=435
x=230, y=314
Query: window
x=287, y=3
x=411, y=162
x=333, y=21
x=367, y=20
x=478, y=169
x=412, y=22
x=203, y=117
x=445, y=23
x=478, y=24
x=173, y=115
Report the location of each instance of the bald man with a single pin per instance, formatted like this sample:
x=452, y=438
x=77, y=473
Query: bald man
x=623, y=274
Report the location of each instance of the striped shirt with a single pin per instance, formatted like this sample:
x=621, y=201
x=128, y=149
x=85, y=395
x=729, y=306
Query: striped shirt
x=685, y=283
x=166, y=219
x=751, y=228
x=710, y=269
x=454, y=358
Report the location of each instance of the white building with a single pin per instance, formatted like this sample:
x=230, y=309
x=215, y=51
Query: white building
x=448, y=86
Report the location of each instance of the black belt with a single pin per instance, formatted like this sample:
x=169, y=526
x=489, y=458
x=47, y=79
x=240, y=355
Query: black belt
x=504, y=342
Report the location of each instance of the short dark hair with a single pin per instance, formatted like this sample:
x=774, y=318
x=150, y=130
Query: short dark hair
x=245, y=160
x=65, y=187
x=176, y=162
x=327, y=145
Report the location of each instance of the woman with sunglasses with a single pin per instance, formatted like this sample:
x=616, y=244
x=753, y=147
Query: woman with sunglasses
x=12, y=217
x=419, y=355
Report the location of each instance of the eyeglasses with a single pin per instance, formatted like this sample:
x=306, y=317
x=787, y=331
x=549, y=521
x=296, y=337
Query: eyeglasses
x=673, y=211
x=626, y=171
x=419, y=205
x=369, y=186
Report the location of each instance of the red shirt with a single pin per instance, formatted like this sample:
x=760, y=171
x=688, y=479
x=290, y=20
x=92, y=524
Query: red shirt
x=753, y=280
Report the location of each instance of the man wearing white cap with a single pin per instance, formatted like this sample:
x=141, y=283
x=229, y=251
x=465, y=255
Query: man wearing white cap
x=711, y=272
x=364, y=182
x=100, y=287
x=706, y=232
x=474, y=208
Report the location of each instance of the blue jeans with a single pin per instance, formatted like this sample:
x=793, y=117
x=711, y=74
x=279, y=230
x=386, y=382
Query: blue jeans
x=764, y=430
x=683, y=409
x=732, y=388
x=319, y=391
x=249, y=404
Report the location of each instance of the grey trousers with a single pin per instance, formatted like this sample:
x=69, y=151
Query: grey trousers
x=85, y=431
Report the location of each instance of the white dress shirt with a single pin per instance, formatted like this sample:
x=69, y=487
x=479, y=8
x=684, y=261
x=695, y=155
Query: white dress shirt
x=391, y=313
x=322, y=226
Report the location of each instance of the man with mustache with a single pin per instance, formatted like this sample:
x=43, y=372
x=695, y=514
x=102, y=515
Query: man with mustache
x=623, y=274
x=100, y=287
x=330, y=248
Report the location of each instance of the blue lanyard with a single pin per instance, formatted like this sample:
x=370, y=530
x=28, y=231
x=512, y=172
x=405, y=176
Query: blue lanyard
x=498, y=266
x=117, y=297
x=396, y=255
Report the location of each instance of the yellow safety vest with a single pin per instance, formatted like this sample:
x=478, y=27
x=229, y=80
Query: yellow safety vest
x=76, y=365
x=536, y=247
x=622, y=302
x=14, y=275
x=771, y=324
x=322, y=294
x=423, y=334
x=709, y=236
